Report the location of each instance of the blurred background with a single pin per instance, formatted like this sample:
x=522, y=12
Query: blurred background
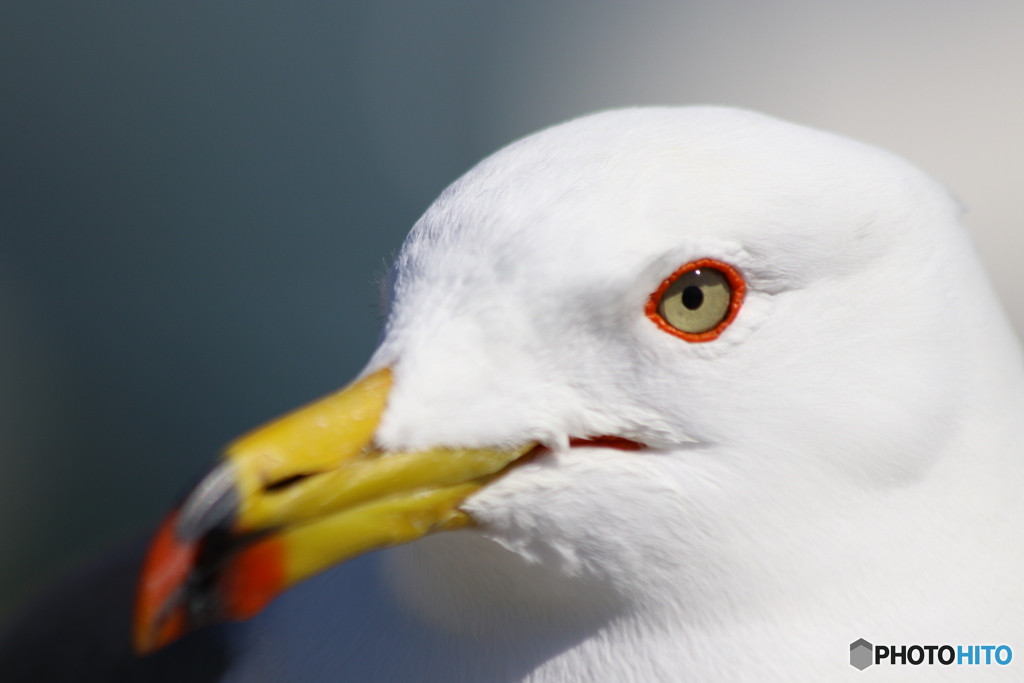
x=197, y=197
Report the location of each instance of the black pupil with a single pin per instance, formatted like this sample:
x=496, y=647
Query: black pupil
x=693, y=297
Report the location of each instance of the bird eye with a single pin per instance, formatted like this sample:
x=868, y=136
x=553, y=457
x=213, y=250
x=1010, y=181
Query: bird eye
x=698, y=301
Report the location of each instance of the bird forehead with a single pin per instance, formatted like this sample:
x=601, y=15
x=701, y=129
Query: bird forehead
x=580, y=223
x=598, y=198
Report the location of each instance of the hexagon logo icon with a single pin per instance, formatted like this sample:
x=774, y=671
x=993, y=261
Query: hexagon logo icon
x=861, y=654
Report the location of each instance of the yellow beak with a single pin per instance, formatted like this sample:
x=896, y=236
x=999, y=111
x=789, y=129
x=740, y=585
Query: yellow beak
x=294, y=498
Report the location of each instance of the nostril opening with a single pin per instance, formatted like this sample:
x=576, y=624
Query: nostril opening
x=287, y=482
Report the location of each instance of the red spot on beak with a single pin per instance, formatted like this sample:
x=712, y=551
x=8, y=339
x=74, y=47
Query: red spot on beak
x=253, y=578
x=239, y=582
x=159, y=613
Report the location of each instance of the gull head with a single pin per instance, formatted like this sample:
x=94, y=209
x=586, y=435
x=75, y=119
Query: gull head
x=692, y=363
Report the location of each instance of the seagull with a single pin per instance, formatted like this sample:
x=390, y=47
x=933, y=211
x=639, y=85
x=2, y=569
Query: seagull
x=663, y=394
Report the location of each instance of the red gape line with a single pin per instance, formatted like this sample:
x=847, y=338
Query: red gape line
x=616, y=442
x=736, y=284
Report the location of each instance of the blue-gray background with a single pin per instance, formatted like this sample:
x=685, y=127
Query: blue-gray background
x=196, y=197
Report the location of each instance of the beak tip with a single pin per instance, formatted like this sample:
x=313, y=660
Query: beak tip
x=148, y=638
x=159, y=616
x=166, y=598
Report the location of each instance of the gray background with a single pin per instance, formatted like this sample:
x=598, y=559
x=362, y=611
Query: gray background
x=196, y=197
